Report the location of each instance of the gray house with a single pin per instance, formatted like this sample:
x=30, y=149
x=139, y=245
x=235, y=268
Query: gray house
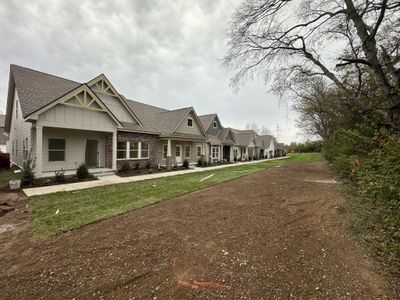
x=220, y=140
x=63, y=123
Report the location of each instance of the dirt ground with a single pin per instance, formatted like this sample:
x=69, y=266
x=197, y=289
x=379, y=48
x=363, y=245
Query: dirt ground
x=275, y=234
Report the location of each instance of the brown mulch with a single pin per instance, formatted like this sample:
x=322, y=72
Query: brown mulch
x=269, y=235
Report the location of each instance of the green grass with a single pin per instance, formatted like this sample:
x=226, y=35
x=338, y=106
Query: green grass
x=82, y=207
x=6, y=176
x=307, y=157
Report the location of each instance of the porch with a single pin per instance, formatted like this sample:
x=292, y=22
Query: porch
x=61, y=148
x=175, y=151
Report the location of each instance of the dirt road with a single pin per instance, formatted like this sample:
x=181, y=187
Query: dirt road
x=275, y=234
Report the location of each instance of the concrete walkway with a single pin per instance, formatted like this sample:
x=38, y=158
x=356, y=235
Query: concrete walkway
x=114, y=179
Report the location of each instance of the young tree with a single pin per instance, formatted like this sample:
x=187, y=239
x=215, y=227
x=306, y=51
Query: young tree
x=286, y=40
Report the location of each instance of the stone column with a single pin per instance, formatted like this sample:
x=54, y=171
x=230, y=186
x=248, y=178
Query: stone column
x=114, y=150
x=168, y=159
x=39, y=151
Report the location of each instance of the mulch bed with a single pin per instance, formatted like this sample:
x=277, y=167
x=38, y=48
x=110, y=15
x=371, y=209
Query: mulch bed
x=134, y=172
x=49, y=181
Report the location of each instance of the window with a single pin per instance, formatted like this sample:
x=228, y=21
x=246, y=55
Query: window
x=165, y=151
x=190, y=122
x=56, y=150
x=215, y=124
x=144, y=151
x=121, y=149
x=134, y=150
x=25, y=148
x=187, y=151
x=215, y=152
x=178, y=151
x=198, y=151
x=235, y=153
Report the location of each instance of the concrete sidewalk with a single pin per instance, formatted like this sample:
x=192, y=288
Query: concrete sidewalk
x=114, y=179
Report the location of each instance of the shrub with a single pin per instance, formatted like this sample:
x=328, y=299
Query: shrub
x=235, y=159
x=378, y=181
x=60, y=175
x=200, y=163
x=137, y=166
x=82, y=172
x=204, y=163
x=148, y=165
x=126, y=167
x=28, y=177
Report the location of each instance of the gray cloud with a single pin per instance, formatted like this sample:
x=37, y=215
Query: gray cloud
x=165, y=53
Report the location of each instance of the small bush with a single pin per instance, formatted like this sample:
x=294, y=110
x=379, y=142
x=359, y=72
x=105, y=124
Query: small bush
x=200, y=163
x=82, y=172
x=137, y=166
x=28, y=177
x=60, y=175
x=185, y=164
x=235, y=159
x=204, y=163
x=148, y=165
x=126, y=167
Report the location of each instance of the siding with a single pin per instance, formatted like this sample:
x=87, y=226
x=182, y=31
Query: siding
x=63, y=116
x=193, y=153
x=19, y=130
x=183, y=128
x=75, y=142
x=116, y=107
x=213, y=131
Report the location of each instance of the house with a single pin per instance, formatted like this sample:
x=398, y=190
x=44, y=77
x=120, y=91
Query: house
x=279, y=148
x=245, y=144
x=220, y=140
x=62, y=123
x=266, y=146
x=3, y=137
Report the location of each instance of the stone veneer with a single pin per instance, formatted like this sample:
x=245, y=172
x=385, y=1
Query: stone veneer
x=136, y=137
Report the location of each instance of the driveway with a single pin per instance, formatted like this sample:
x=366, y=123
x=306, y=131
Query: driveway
x=275, y=234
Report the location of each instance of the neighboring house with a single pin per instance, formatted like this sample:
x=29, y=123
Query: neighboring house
x=62, y=123
x=266, y=146
x=279, y=148
x=3, y=137
x=245, y=144
x=220, y=140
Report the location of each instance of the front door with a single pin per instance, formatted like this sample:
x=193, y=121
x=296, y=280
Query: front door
x=178, y=153
x=92, y=153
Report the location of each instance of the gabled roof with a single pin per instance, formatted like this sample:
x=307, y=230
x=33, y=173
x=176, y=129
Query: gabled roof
x=243, y=137
x=37, y=89
x=263, y=140
x=206, y=120
x=158, y=119
x=223, y=134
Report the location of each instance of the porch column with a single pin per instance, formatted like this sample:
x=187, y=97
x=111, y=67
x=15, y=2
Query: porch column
x=39, y=151
x=168, y=159
x=114, y=150
x=231, y=153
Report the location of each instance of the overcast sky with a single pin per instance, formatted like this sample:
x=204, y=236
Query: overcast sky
x=164, y=53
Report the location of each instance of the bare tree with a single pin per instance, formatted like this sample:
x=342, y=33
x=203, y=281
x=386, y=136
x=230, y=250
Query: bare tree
x=283, y=40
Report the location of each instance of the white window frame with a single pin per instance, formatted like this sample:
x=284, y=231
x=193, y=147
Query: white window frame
x=126, y=150
x=190, y=151
x=215, y=124
x=197, y=148
x=187, y=122
x=216, y=156
x=164, y=153
x=148, y=150
x=56, y=150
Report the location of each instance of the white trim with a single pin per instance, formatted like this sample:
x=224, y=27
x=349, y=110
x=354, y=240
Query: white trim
x=164, y=157
x=190, y=151
x=48, y=148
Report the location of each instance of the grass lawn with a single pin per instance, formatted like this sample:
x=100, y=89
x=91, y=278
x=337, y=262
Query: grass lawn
x=82, y=207
x=6, y=176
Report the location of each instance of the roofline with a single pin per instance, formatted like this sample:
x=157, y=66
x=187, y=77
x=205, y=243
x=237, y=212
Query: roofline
x=191, y=109
x=118, y=95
